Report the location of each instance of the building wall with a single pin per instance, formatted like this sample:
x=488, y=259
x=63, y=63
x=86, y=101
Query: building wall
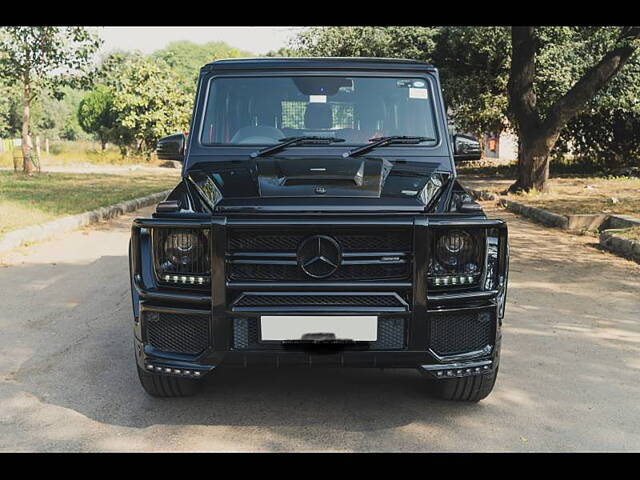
x=506, y=146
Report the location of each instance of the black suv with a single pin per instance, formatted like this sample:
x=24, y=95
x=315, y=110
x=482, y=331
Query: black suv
x=318, y=222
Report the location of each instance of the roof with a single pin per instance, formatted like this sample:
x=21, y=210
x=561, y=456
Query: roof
x=318, y=62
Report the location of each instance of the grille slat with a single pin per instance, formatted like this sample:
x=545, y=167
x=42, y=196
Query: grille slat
x=461, y=332
x=318, y=300
x=274, y=272
x=177, y=333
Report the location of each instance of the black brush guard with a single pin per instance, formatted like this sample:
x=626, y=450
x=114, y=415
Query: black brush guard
x=416, y=304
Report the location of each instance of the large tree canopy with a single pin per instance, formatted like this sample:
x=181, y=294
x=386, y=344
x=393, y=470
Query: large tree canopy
x=145, y=99
x=475, y=67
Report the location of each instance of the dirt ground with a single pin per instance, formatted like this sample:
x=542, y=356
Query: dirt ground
x=569, y=375
x=571, y=195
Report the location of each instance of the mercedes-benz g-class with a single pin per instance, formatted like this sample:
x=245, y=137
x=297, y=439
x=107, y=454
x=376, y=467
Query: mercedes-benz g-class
x=318, y=222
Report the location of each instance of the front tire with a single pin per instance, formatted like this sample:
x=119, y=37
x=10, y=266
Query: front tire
x=158, y=385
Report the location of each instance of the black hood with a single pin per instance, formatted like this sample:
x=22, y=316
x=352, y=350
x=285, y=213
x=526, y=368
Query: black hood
x=314, y=180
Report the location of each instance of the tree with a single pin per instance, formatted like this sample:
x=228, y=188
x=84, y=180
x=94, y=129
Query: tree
x=282, y=52
x=147, y=101
x=395, y=42
x=186, y=58
x=96, y=114
x=539, y=128
x=39, y=58
x=474, y=68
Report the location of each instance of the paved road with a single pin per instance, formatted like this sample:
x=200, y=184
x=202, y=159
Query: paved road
x=569, y=377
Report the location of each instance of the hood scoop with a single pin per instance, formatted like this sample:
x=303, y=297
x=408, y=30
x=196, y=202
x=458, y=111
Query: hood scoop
x=329, y=177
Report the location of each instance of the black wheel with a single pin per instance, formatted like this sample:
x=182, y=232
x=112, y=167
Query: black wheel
x=159, y=385
x=465, y=389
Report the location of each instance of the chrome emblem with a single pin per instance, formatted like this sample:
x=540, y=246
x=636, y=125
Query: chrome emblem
x=319, y=256
x=320, y=190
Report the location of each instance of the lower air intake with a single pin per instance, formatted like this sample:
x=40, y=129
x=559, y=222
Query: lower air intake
x=461, y=332
x=176, y=333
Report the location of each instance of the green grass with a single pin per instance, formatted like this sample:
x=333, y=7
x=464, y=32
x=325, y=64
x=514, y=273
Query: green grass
x=26, y=201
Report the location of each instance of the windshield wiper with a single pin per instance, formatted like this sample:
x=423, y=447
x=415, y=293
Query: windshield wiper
x=285, y=142
x=382, y=141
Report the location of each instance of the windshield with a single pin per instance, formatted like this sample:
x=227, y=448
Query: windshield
x=264, y=110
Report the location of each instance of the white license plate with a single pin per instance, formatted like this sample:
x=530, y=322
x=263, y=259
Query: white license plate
x=284, y=327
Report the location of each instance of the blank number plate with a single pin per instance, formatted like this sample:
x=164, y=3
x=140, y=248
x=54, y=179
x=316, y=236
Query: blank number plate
x=282, y=327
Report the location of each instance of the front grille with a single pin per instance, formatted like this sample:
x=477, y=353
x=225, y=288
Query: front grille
x=257, y=241
x=177, y=333
x=288, y=300
x=461, y=332
x=391, y=334
x=273, y=256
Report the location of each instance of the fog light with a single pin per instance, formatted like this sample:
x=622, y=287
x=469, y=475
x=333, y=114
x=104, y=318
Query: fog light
x=453, y=280
x=186, y=280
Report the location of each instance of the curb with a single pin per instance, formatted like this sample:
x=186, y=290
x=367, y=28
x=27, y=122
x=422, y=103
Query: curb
x=538, y=214
x=545, y=217
x=623, y=247
x=576, y=222
x=16, y=238
x=608, y=239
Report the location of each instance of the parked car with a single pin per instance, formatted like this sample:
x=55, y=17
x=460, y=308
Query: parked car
x=318, y=222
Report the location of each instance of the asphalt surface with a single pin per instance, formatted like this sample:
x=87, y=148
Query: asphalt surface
x=569, y=375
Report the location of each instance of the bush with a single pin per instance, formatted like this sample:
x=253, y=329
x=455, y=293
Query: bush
x=599, y=141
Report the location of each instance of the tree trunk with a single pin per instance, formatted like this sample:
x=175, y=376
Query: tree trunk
x=537, y=136
x=26, y=139
x=534, y=149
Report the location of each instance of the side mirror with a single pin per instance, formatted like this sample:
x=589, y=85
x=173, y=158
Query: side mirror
x=172, y=147
x=470, y=207
x=465, y=147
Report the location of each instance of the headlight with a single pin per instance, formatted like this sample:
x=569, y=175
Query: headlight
x=455, y=248
x=457, y=258
x=183, y=248
x=182, y=256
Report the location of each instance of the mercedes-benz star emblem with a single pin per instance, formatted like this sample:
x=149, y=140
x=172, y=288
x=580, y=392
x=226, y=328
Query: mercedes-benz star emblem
x=319, y=256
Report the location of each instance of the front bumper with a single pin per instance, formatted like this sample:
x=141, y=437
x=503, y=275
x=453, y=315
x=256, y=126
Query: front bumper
x=222, y=314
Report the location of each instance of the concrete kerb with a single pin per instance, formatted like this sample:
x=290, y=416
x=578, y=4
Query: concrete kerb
x=35, y=233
